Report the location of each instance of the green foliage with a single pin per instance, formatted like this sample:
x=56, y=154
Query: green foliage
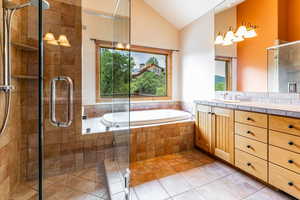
x=152, y=60
x=220, y=86
x=115, y=76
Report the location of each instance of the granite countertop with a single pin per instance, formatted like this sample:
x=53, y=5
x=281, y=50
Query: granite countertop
x=268, y=108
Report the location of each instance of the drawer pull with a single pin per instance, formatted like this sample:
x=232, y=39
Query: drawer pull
x=291, y=143
x=249, y=132
x=291, y=161
x=248, y=146
x=249, y=119
x=248, y=164
x=290, y=183
x=291, y=126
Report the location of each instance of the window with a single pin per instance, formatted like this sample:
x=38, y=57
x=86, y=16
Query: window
x=144, y=72
x=223, y=80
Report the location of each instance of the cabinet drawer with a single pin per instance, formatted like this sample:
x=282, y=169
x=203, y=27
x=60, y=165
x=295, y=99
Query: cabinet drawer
x=284, y=158
x=285, y=124
x=285, y=180
x=252, y=132
x=251, y=118
x=253, y=147
x=286, y=141
x=251, y=164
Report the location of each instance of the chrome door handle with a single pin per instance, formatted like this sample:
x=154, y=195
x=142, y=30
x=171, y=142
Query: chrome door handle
x=53, y=119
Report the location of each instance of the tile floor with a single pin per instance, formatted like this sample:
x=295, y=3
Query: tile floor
x=184, y=176
x=194, y=176
x=86, y=184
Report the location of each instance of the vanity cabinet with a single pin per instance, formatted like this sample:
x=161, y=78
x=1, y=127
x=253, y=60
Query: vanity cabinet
x=263, y=145
x=223, y=134
x=214, y=131
x=203, y=138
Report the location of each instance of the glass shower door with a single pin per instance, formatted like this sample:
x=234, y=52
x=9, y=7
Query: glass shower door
x=84, y=148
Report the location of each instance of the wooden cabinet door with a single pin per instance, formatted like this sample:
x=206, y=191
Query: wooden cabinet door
x=223, y=134
x=203, y=128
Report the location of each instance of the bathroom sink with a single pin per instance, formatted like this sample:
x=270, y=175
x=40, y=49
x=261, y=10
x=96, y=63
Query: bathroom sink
x=229, y=100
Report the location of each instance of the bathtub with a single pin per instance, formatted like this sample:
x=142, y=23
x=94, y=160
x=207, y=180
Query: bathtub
x=142, y=118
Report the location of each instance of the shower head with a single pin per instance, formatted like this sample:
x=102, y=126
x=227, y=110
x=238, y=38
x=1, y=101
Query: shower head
x=8, y=4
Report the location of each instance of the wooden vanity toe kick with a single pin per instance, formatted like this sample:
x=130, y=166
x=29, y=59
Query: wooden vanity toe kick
x=252, y=147
x=284, y=180
x=284, y=158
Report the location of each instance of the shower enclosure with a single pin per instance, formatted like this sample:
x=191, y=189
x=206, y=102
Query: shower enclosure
x=59, y=56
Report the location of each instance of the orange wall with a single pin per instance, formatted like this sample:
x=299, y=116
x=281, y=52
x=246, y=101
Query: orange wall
x=293, y=20
x=252, y=53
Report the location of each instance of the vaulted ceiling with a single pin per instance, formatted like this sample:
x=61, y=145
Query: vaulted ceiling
x=182, y=12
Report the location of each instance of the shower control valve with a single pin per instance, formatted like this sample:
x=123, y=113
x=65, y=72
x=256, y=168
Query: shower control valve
x=6, y=88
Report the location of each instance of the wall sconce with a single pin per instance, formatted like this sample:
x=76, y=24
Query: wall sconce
x=219, y=39
x=240, y=35
x=251, y=32
x=63, y=41
x=50, y=39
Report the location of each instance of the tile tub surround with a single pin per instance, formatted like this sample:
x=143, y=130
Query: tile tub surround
x=288, y=110
x=158, y=140
x=98, y=110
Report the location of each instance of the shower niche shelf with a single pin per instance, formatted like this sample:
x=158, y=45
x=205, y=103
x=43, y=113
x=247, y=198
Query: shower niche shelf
x=24, y=47
x=26, y=77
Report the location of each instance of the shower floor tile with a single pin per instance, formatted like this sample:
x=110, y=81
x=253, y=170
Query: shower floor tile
x=86, y=184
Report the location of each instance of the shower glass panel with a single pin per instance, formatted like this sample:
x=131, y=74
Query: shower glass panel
x=284, y=68
x=83, y=146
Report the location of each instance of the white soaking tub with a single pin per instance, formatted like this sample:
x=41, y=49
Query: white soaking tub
x=145, y=117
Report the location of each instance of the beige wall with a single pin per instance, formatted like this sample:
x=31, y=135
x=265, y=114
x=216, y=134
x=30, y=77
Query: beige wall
x=197, y=59
x=148, y=28
x=223, y=20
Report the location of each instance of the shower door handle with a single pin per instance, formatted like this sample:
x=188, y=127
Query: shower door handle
x=53, y=119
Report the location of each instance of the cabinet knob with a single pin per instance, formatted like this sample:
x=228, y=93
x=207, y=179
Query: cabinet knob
x=291, y=161
x=249, y=119
x=248, y=164
x=290, y=183
x=291, y=126
x=249, y=132
x=248, y=146
x=291, y=143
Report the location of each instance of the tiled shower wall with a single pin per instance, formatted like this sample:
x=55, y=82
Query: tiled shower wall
x=13, y=143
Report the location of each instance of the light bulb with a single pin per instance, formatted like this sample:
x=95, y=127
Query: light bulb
x=127, y=46
x=219, y=39
x=238, y=39
x=53, y=42
x=120, y=46
x=229, y=35
x=251, y=33
x=227, y=43
x=242, y=31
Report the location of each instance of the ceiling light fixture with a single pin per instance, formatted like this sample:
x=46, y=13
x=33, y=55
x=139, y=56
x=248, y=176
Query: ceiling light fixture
x=63, y=41
x=251, y=32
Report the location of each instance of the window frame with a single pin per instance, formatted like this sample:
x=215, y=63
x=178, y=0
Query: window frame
x=228, y=61
x=169, y=82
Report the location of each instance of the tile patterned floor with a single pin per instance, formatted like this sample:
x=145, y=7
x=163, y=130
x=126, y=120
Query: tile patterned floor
x=184, y=176
x=194, y=176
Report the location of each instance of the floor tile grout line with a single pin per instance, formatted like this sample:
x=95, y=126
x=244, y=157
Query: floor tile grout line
x=255, y=192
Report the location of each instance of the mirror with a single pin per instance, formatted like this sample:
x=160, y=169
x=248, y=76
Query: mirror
x=253, y=67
